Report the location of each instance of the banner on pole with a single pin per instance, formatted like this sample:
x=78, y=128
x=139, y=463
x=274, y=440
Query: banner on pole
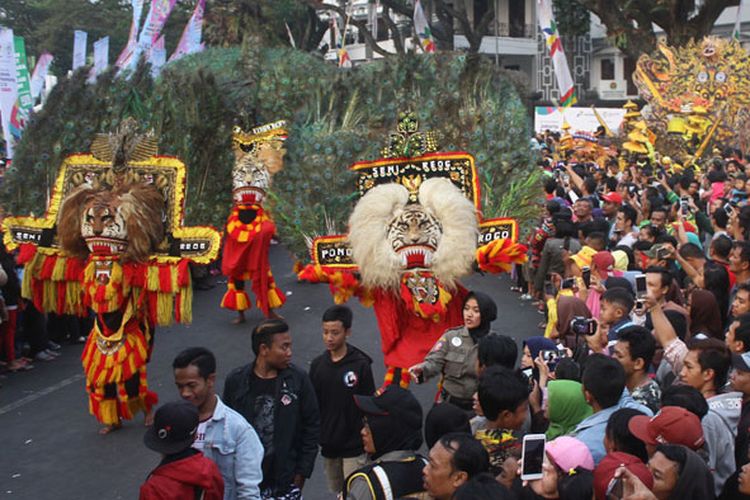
x=190, y=41
x=79, y=49
x=422, y=27
x=19, y=116
x=40, y=73
x=8, y=85
x=560, y=64
x=101, y=55
x=125, y=58
x=157, y=16
x=157, y=57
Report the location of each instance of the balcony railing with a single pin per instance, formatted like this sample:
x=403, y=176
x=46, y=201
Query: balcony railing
x=511, y=30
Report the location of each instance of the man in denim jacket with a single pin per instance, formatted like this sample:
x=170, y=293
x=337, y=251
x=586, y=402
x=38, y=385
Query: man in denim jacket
x=223, y=435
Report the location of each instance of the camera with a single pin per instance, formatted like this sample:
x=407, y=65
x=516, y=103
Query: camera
x=583, y=326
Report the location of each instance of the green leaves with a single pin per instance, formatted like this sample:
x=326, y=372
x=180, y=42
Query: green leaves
x=336, y=118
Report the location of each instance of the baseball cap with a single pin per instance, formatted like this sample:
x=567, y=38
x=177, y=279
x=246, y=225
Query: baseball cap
x=395, y=402
x=613, y=197
x=568, y=453
x=174, y=428
x=741, y=361
x=672, y=425
x=606, y=469
x=604, y=262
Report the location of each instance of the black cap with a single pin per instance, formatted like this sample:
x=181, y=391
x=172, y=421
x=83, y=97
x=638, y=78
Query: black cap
x=174, y=428
x=395, y=402
x=741, y=361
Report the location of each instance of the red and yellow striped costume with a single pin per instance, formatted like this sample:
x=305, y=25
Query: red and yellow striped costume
x=245, y=257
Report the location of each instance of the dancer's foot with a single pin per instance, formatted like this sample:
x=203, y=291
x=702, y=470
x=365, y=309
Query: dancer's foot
x=240, y=318
x=110, y=428
x=272, y=314
x=148, y=419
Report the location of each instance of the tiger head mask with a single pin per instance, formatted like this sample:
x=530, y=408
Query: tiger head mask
x=389, y=235
x=258, y=156
x=128, y=221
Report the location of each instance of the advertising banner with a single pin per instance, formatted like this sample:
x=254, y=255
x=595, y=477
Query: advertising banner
x=125, y=58
x=155, y=20
x=19, y=116
x=580, y=119
x=190, y=41
x=8, y=85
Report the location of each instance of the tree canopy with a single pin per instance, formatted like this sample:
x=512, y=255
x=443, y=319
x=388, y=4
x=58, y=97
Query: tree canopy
x=630, y=23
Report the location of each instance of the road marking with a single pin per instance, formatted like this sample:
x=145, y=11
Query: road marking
x=33, y=397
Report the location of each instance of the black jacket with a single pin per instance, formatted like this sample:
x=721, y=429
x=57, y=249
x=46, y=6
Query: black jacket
x=296, y=420
x=335, y=386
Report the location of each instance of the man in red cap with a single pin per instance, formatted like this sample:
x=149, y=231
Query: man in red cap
x=611, y=203
x=672, y=425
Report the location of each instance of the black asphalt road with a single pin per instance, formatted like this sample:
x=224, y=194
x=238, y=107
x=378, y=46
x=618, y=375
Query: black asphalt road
x=49, y=446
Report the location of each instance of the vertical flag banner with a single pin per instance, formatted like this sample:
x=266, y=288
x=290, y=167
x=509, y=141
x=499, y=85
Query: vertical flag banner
x=156, y=18
x=372, y=13
x=40, y=73
x=101, y=55
x=101, y=58
x=157, y=56
x=742, y=7
x=422, y=27
x=559, y=62
x=190, y=41
x=126, y=56
x=345, y=61
x=19, y=116
x=8, y=85
x=79, y=49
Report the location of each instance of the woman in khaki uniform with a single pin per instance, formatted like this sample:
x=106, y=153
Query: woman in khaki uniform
x=454, y=355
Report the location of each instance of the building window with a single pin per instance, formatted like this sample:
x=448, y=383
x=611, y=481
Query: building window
x=608, y=69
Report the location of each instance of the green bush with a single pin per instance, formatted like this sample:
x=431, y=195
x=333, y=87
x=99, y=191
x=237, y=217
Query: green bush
x=336, y=117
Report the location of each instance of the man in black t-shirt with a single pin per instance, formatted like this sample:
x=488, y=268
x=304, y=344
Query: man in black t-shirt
x=278, y=400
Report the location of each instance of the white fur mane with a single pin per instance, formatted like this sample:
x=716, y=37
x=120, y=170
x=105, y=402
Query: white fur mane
x=368, y=227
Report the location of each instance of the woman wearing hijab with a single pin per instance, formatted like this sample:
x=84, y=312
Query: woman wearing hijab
x=566, y=407
x=568, y=308
x=705, y=316
x=454, y=355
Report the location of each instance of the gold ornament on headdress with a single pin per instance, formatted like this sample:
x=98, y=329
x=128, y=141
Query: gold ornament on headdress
x=121, y=148
x=246, y=142
x=407, y=141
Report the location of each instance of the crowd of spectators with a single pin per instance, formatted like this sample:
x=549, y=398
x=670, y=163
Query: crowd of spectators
x=638, y=379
